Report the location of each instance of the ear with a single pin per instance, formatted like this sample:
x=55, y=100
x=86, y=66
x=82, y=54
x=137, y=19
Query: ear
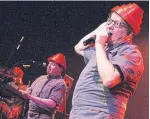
x=61, y=69
x=132, y=33
x=130, y=36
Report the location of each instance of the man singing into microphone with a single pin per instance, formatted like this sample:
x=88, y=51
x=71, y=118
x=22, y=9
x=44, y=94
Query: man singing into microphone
x=112, y=71
x=47, y=91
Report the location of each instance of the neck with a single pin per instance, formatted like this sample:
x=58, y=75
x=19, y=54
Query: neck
x=54, y=76
x=121, y=40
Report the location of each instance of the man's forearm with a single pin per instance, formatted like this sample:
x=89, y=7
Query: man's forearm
x=43, y=102
x=105, y=68
x=80, y=46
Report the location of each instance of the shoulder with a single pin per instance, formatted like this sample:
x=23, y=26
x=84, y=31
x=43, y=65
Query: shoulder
x=130, y=50
x=61, y=83
x=42, y=77
x=133, y=56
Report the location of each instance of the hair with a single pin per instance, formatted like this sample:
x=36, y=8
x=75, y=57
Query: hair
x=130, y=30
x=63, y=70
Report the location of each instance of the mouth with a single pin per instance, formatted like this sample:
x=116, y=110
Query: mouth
x=110, y=34
x=110, y=37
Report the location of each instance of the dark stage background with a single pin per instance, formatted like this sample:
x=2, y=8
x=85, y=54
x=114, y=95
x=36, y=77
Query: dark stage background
x=51, y=27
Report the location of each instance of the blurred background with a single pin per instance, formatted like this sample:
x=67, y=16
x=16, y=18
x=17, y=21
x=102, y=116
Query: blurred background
x=50, y=27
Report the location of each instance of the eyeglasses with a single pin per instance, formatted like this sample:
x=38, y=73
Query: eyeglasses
x=117, y=24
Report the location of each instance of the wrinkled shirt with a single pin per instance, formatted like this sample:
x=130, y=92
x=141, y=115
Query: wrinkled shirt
x=91, y=94
x=47, y=88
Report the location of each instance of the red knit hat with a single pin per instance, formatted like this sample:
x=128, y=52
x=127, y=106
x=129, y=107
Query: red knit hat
x=132, y=14
x=58, y=58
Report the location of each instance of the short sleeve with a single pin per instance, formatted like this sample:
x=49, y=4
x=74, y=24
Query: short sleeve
x=88, y=52
x=130, y=62
x=58, y=93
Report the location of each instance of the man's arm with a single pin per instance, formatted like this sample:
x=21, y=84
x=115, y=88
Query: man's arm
x=108, y=73
x=80, y=46
x=49, y=103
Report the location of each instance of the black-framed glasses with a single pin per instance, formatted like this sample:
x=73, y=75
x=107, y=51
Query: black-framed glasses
x=117, y=24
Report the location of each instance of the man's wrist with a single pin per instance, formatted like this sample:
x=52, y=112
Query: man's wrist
x=97, y=43
x=29, y=96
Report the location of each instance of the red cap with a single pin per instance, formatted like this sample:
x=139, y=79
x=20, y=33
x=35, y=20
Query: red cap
x=58, y=58
x=132, y=14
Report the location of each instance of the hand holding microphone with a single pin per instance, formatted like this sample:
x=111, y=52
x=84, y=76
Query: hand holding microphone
x=92, y=40
x=89, y=41
x=101, y=35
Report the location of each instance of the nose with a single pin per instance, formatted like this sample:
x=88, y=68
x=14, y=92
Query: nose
x=110, y=26
x=49, y=65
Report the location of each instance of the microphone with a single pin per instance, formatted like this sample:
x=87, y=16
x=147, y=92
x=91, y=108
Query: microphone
x=88, y=41
x=92, y=40
x=36, y=63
